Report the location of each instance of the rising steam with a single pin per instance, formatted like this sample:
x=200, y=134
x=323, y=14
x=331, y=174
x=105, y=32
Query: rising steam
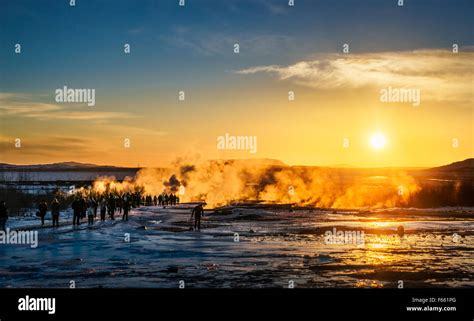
x=222, y=182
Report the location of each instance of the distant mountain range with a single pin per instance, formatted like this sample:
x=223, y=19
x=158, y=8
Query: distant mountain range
x=63, y=166
x=465, y=165
x=76, y=166
x=85, y=172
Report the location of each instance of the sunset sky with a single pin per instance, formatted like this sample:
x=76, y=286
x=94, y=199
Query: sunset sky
x=282, y=49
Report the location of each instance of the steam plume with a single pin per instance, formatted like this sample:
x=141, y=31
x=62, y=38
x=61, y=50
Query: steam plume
x=221, y=182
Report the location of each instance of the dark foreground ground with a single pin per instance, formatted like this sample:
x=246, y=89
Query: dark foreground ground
x=248, y=247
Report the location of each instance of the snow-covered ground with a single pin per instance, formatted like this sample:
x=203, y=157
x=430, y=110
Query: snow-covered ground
x=246, y=247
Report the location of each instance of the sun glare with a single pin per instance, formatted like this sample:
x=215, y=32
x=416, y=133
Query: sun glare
x=377, y=141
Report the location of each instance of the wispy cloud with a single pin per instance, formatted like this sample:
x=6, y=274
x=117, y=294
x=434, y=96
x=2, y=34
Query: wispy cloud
x=440, y=75
x=48, y=146
x=82, y=115
x=274, y=7
x=136, y=131
x=26, y=109
x=24, y=105
x=220, y=43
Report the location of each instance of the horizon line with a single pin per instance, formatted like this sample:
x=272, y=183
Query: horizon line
x=337, y=166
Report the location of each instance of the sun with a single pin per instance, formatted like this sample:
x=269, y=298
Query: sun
x=377, y=141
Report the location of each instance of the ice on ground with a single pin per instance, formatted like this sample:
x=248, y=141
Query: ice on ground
x=246, y=246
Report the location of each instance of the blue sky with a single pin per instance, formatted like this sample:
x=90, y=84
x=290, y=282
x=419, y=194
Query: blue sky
x=173, y=44
x=282, y=48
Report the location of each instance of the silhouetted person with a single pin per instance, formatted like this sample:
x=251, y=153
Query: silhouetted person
x=126, y=208
x=103, y=209
x=77, y=212
x=133, y=200
x=55, y=212
x=3, y=215
x=139, y=199
x=160, y=199
x=95, y=204
x=111, y=207
x=83, y=206
x=90, y=214
x=42, y=210
x=155, y=200
x=172, y=200
x=119, y=204
x=197, y=212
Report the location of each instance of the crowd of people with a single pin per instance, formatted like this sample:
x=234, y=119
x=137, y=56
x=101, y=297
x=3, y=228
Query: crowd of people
x=112, y=204
x=162, y=200
x=108, y=204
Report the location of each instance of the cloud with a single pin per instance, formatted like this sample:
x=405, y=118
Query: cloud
x=136, y=131
x=440, y=75
x=220, y=43
x=23, y=105
x=26, y=109
x=47, y=146
x=275, y=8
x=82, y=115
x=6, y=96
